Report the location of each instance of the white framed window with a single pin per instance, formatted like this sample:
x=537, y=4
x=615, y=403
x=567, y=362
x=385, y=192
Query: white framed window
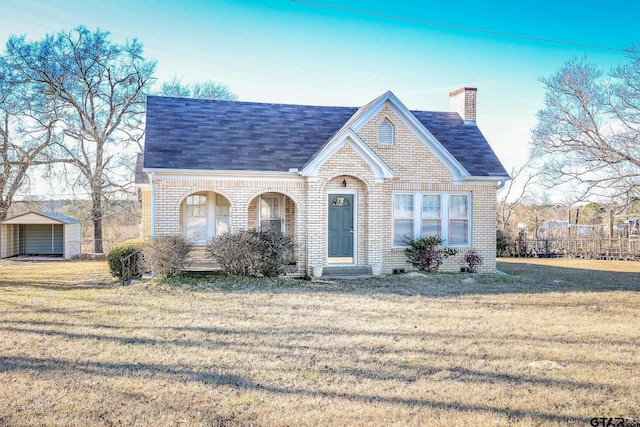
x=206, y=215
x=385, y=133
x=223, y=215
x=271, y=212
x=458, y=220
x=446, y=215
x=403, y=218
x=195, y=217
x=431, y=215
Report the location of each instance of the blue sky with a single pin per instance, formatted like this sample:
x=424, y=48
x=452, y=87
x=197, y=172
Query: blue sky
x=290, y=52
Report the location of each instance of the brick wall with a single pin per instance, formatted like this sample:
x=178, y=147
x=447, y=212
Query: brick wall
x=241, y=194
x=145, y=210
x=463, y=102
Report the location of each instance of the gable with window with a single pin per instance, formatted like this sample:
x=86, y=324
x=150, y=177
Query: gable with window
x=424, y=214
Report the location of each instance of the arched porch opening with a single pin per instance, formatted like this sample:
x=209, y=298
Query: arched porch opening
x=204, y=215
x=273, y=211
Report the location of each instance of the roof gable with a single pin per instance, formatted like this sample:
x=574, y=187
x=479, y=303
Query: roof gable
x=393, y=103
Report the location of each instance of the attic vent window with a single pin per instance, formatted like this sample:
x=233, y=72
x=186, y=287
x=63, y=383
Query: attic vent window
x=385, y=133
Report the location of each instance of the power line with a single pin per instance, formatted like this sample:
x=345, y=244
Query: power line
x=458, y=27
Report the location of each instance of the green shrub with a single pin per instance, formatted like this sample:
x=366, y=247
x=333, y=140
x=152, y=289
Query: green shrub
x=120, y=251
x=252, y=252
x=473, y=259
x=502, y=243
x=427, y=253
x=168, y=255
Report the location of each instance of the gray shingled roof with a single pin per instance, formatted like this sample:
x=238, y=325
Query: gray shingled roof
x=140, y=176
x=229, y=135
x=183, y=133
x=465, y=142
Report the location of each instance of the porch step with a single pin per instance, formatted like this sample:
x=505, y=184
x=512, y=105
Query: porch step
x=345, y=272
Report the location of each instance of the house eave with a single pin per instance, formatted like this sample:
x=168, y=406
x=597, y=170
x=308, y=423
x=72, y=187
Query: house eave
x=220, y=173
x=482, y=180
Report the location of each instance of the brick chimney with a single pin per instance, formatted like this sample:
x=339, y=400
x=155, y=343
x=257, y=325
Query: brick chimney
x=463, y=102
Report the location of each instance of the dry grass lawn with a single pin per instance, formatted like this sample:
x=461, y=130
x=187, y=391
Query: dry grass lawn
x=551, y=344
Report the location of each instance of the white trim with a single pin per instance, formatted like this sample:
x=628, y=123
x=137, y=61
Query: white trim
x=482, y=180
x=469, y=196
x=242, y=174
x=153, y=204
x=354, y=192
x=380, y=169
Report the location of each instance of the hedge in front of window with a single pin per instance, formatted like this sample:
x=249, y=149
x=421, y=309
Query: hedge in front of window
x=427, y=253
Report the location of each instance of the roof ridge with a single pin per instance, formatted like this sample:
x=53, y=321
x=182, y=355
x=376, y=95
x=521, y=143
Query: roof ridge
x=275, y=104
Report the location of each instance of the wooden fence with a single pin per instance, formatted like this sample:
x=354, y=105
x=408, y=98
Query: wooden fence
x=618, y=248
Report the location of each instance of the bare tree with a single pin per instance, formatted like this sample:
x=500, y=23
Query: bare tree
x=96, y=89
x=26, y=131
x=514, y=194
x=588, y=133
x=205, y=90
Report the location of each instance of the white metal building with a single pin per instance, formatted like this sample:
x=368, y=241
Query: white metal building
x=40, y=233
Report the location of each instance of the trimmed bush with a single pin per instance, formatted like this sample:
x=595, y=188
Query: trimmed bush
x=167, y=255
x=427, y=253
x=473, y=259
x=252, y=252
x=120, y=251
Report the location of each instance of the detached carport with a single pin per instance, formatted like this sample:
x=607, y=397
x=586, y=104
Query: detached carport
x=40, y=234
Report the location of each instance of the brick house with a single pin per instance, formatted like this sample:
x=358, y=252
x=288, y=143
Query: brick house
x=346, y=183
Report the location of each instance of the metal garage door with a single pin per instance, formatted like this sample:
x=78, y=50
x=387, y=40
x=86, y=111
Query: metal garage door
x=42, y=239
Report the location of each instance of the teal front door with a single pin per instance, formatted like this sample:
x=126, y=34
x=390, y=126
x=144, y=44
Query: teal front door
x=340, y=228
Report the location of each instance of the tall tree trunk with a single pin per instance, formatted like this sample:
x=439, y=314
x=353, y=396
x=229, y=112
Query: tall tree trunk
x=4, y=209
x=97, y=223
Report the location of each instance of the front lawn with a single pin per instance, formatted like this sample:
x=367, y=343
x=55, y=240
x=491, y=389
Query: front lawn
x=552, y=345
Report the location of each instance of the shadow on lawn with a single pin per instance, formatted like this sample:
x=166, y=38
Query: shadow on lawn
x=521, y=278
x=244, y=340
x=53, y=285
x=574, y=278
x=180, y=374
